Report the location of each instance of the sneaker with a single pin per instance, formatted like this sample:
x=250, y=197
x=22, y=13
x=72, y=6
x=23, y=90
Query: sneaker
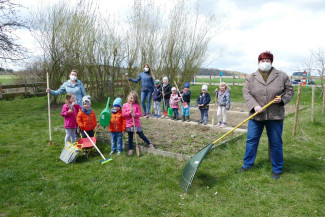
x=112, y=152
x=158, y=116
x=130, y=151
x=119, y=153
x=147, y=116
x=155, y=115
x=276, y=175
x=150, y=146
x=218, y=125
x=205, y=123
x=200, y=122
x=242, y=169
x=223, y=126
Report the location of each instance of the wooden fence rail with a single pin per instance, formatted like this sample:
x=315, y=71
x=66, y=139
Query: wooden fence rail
x=25, y=89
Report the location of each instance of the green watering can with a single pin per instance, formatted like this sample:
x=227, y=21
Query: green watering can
x=170, y=111
x=105, y=116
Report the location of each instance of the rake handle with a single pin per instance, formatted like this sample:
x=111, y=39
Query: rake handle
x=92, y=142
x=247, y=119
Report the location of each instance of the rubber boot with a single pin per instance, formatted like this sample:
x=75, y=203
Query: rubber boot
x=188, y=118
x=174, y=118
x=183, y=118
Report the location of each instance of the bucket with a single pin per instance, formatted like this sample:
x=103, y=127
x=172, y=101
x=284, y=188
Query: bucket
x=69, y=153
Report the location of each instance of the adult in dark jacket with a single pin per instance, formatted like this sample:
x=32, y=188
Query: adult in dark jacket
x=166, y=91
x=260, y=88
x=147, y=86
x=203, y=103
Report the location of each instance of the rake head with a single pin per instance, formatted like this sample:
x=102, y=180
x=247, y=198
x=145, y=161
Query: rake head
x=191, y=167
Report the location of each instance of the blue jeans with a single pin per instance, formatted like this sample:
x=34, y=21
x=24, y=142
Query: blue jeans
x=175, y=110
x=274, y=132
x=116, y=139
x=146, y=94
x=204, y=113
x=141, y=135
x=186, y=111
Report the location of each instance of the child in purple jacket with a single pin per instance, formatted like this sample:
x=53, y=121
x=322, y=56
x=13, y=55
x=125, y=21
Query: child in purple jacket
x=69, y=111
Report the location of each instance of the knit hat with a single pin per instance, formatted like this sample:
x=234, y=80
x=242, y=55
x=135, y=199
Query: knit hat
x=165, y=79
x=186, y=85
x=173, y=88
x=117, y=102
x=205, y=87
x=157, y=81
x=86, y=99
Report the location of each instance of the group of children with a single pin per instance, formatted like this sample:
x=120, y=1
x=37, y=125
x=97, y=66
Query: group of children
x=126, y=117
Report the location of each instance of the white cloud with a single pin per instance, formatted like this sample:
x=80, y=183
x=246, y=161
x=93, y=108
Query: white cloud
x=289, y=29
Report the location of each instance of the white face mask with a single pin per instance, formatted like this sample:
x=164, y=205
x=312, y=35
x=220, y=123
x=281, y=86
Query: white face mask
x=264, y=66
x=73, y=77
x=146, y=69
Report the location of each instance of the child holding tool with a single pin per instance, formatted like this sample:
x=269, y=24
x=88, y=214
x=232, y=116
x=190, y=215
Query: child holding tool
x=223, y=96
x=132, y=111
x=70, y=111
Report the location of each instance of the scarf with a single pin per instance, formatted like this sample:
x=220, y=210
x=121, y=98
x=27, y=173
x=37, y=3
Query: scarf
x=86, y=111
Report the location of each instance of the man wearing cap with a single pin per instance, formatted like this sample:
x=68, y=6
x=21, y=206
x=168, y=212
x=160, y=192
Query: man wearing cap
x=260, y=88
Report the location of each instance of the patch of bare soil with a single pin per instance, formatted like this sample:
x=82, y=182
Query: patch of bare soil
x=235, y=115
x=175, y=136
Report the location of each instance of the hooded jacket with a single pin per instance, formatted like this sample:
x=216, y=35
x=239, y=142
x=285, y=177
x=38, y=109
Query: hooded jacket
x=147, y=83
x=86, y=121
x=70, y=119
x=205, y=100
x=157, y=94
x=126, y=112
x=167, y=91
x=258, y=92
x=118, y=122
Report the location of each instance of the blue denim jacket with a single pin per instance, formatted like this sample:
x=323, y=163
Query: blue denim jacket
x=77, y=89
x=147, y=83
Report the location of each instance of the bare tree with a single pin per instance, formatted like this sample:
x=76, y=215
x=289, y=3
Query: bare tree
x=316, y=62
x=10, y=49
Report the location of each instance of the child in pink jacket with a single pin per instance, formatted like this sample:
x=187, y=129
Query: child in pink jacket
x=173, y=102
x=129, y=110
x=69, y=111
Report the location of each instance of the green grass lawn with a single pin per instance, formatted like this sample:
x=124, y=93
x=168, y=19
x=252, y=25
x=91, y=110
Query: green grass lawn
x=35, y=182
x=8, y=79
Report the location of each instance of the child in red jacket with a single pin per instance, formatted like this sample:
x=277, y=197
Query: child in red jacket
x=69, y=111
x=117, y=127
x=86, y=118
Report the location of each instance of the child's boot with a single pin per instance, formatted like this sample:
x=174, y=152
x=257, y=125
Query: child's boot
x=205, y=121
x=224, y=124
x=183, y=118
x=174, y=117
x=219, y=124
x=188, y=118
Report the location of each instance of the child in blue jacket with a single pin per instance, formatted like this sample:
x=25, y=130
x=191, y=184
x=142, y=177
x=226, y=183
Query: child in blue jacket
x=203, y=103
x=157, y=98
x=186, y=96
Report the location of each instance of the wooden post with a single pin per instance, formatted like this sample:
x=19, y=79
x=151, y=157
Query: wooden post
x=49, y=107
x=25, y=87
x=297, y=111
x=312, y=103
x=233, y=80
x=323, y=105
x=0, y=90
